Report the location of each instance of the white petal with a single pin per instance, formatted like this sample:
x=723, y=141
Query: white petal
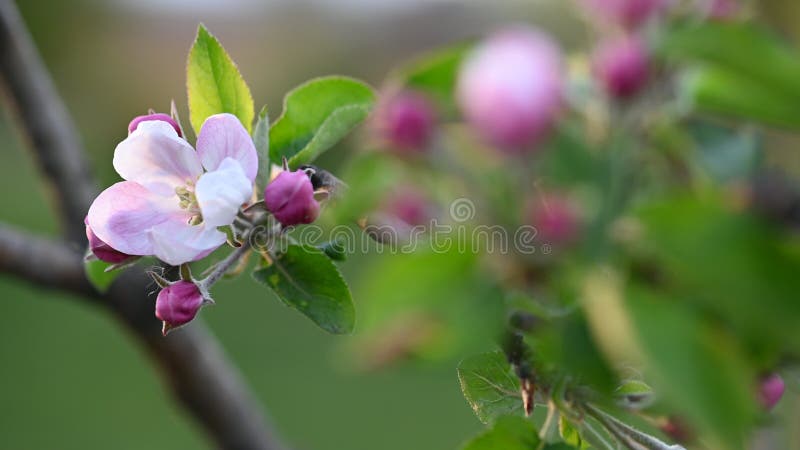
x=222, y=192
x=123, y=214
x=176, y=242
x=223, y=136
x=155, y=157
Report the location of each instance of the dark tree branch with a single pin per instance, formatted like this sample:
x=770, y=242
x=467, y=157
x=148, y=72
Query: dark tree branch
x=191, y=361
x=46, y=122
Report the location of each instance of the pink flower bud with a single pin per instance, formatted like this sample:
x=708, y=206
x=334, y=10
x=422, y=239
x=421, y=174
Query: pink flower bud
x=157, y=116
x=770, y=390
x=555, y=218
x=290, y=198
x=722, y=9
x=510, y=88
x=405, y=121
x=409, y=205
x=627, y=13
x=677, y=429
x=103, y=251
x=177, y=304
x=622, y=65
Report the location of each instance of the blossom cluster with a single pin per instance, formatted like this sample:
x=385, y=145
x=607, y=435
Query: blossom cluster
x=176, y=202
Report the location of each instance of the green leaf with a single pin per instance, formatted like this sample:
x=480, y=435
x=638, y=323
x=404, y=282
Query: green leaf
x=728, y=81
x=752, y=282
x=736, y=47
x=698, y=368
x=634, y=394
x=305, y=279
x=97, y=275
x=214, y=83
x=443, y=288
x=436, y=75
x=570, y=434
x=316, y=115
x=490, y=386
x=727, y=93
x=507, y=433
x=335, y=250
x=261, y=141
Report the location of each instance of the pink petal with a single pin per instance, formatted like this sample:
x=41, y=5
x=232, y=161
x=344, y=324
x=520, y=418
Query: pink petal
x=155, y=157
x=223, y=136
x=176, y=241
x=222, y=192
x=123, y=214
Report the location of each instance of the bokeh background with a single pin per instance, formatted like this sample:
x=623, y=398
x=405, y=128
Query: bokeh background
x=70, y=378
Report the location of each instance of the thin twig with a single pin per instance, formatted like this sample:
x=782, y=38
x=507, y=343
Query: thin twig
x=639, y=437
x=190, y=360
x=544, y=433
x=46, y=122
x=611, y=428
x=223, y=266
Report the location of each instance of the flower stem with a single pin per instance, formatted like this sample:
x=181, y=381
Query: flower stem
x=544, y=433
x=223, y=266
x=616, y=426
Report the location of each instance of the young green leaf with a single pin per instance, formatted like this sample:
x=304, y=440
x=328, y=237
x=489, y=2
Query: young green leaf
x=507, y=433
x=307, y=280
x=261, y=141
x=490, y=386
x=214, y=84
x=316, y=115
x=634, y=394
x=569, y=433
x=97, y=275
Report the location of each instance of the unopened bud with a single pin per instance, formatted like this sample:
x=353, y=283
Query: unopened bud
x=622, y=65
x=405, y=121
x=290, y=198
x=722, y=9
x=177, y=304
x=156, y=116
x=103, y=251
x=409, y=205
x=555, y=217
x=770, y=390
x=676, y=429
x=626, y=13
x=510, y=88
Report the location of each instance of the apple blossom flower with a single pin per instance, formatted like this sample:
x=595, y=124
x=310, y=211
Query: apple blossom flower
x=510, y=87
x=621, y=64
x=168, y=205
x=290, y=198
x=628, y=13
x=405, y=120
x=770, y=390
x=178, y=303
x=103, y=251
x=155, y=116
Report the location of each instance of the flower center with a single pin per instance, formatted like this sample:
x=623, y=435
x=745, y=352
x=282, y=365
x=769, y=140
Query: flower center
x=188, y=200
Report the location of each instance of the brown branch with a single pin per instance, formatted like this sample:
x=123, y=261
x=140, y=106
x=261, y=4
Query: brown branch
x=46, y=122
x=191, y=361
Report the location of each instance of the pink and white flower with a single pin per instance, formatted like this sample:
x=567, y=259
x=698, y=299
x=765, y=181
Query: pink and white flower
x=173, y=197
